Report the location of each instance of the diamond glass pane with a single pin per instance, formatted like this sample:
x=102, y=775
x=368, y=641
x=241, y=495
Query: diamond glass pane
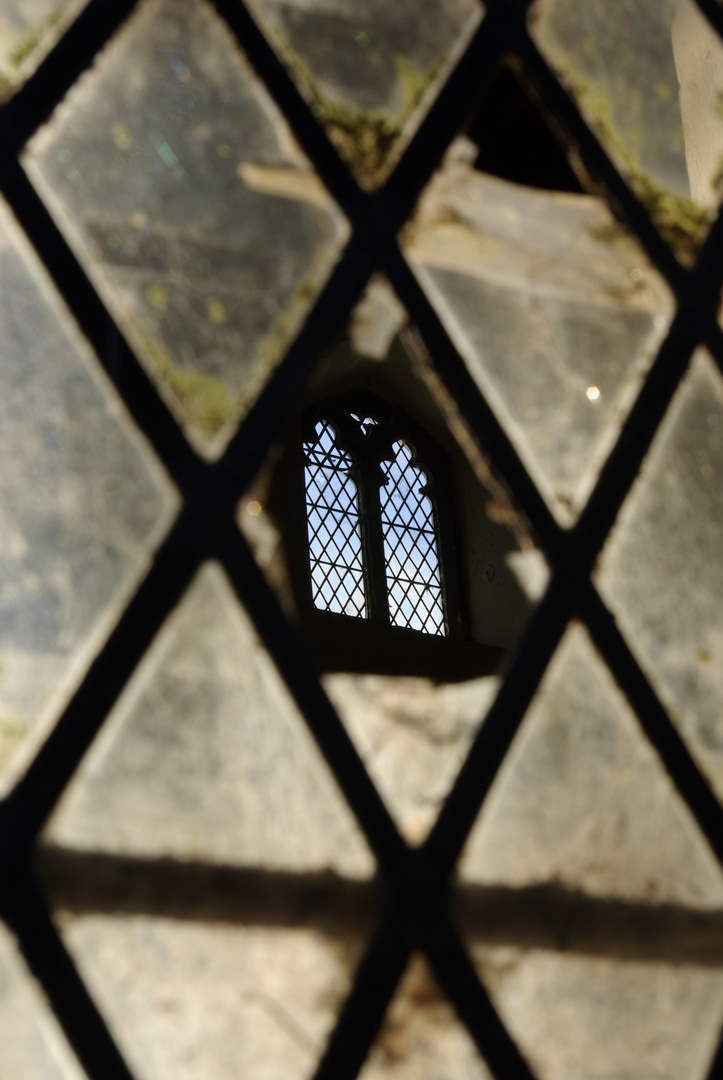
x=582, y=888
x=414, y=584
x=28, y=30
x=172, y=185
x=599, y=1018
x=332, y=514
x=206, y=865
x=583, y=803
x=648, y=82
x=83, y=503
x=661, y=571
x=214, y=1002
x=207, y=730
x=369, y=70
x=554, y=308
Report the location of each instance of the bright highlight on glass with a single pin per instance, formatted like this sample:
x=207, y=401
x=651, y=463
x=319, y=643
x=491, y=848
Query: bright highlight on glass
x=593, y=393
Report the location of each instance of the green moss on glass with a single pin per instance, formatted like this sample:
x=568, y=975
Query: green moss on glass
x=32, y=37
x=365, y=138
x=275, y=344
x=12, y=733
x=681, y=222
x=206, y=401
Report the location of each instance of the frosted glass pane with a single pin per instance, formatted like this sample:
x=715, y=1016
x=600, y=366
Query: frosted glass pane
x=28, y=29
x=421, y=1037
x=579, y=1017
x=582, y=800
x=205, y=757
x=661, y=571
x=148, y=168
x=32, y=1046
x=555, y=310
x=82, y=503
x=413, y=736
x=367, y=69
x=213, y=1002
x=647, y=81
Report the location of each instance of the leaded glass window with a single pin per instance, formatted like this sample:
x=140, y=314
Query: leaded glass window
x=332, y=508
x=411, y=556
x=372, y=523
x=196, y=818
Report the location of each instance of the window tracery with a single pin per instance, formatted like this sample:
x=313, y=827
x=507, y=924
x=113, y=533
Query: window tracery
x=372, y=523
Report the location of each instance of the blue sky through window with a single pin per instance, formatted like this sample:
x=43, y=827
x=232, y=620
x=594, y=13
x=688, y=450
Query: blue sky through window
x=411, y=557
x=332, y=513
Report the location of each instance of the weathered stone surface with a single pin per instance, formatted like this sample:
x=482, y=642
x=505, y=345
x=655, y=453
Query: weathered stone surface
x=413, y=736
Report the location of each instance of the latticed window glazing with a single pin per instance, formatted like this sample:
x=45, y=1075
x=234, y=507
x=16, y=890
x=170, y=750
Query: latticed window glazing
x=410, y=546
x=332, y=514
x=179, y=215
x=374, y=547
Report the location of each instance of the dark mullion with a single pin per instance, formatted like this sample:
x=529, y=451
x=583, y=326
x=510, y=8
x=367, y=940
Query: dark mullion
x=445, y=521
x=369, y=476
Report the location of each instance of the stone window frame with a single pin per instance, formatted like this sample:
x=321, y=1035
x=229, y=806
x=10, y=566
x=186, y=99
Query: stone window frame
x=345, y=643
x=416, y=883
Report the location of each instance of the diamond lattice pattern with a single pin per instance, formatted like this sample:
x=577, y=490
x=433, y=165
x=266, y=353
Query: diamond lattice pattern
x=332, y=513
x=414, y=584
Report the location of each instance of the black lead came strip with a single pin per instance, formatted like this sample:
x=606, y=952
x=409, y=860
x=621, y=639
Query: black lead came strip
x=376, y=219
